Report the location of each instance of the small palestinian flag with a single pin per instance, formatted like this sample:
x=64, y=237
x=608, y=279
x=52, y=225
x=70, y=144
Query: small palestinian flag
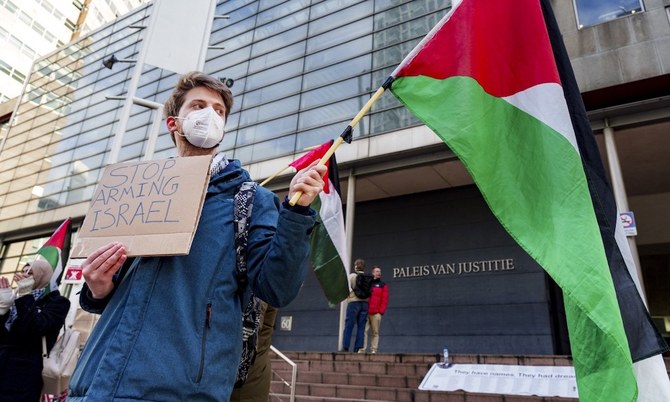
x=56, y=252
x=328, y=253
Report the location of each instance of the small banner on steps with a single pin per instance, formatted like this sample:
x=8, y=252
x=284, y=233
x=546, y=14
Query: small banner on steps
x=502, y=379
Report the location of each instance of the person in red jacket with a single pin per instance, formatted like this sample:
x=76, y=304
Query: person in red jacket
x=376, y=309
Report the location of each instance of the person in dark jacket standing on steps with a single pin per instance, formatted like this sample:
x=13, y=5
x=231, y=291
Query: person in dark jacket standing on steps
x=376, y=309
x=171, y=328
x=357, y=312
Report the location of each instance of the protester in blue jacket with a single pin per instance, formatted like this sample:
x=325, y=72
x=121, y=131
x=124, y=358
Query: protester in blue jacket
x=171, y=329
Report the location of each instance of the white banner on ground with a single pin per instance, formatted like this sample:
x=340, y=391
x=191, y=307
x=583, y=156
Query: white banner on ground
x=502, y=379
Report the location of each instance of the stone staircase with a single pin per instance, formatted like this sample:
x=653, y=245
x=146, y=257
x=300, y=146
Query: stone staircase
x=339, y=377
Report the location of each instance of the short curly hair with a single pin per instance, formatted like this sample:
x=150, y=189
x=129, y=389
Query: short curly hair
x=192, y=80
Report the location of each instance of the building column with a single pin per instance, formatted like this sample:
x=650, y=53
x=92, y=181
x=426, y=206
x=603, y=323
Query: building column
x=349, y=229
x=621, y=200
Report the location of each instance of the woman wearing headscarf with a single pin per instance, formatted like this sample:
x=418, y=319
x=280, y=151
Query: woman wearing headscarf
x=25, y=317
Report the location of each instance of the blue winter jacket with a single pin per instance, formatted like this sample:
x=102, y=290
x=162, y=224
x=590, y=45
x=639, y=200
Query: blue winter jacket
x=172, y=329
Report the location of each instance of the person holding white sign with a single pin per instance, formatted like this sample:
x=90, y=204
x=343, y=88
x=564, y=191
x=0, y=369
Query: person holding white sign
x=171, y=328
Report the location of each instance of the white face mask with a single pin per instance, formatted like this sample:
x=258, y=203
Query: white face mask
x=203, y=128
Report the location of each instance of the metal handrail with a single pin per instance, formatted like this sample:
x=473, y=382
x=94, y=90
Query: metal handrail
x=294, y=371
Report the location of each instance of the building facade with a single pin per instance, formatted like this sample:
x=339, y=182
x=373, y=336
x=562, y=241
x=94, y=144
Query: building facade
x=30, y=29
x=300, y=70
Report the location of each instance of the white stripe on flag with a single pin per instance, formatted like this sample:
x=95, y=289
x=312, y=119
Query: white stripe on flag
x=333, y=220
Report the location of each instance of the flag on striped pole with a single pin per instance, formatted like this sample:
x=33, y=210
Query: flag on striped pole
x=56, y=252
x=328, y=254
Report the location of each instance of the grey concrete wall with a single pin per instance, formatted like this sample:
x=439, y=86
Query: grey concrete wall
x=620, y=51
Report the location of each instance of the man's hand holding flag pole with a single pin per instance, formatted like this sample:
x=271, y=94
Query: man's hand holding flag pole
x=348, y=131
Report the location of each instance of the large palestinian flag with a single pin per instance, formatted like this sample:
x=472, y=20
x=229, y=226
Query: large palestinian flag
x=328, y=253
x=56, y=251
x=486, y=80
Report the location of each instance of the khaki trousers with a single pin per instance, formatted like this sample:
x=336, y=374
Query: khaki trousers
x=373, y=324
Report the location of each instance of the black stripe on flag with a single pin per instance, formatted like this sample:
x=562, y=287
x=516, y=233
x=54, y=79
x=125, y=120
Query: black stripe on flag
x=644, y=339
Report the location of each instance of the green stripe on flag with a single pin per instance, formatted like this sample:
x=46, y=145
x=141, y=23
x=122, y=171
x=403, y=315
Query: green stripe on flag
x=533, y=180
x=328, y=265
x=51, y=255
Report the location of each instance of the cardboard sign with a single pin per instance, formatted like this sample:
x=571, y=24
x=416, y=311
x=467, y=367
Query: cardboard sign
x=152, y=207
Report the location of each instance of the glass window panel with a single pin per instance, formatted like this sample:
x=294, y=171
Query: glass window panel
x=15, y=249
x=9, y=5
x=14, y=210
x=141, y=117
x=62, y=169
x=338, y=53
x=330, y=6
x=266, y=150
x=88, y=191
x=593, y=12
x=337, y=91
x=4, y=187
x=96, y=121
x=407, y=11
x=327, y=114
x=164, y=141
x=164, y=154
x=238, y=74
x=393, y=55
x=269, y=110
x=341, y=19
x=239, y=9
x=24, y=175
x=279, y=40
x=231, y=59
x=267, y=130
x=413, y=29
x=147, y=90
x=131, y=152
x=101, y=134
x=271, y=23
x=340, y=35
x=103, y=107
x=15, y=197
x=168, y=82
x=320, y=135
x=271, y=92
x=233, y=35
x=10, y=266
x=278, y=11
x=273, y=75
x=280, y=56
x=88, y=166
x=91, y=149
x=228, y=142
x=34, y=156
x=233, y=121
x=25, y=18
x=135, y=135
x=392, y=120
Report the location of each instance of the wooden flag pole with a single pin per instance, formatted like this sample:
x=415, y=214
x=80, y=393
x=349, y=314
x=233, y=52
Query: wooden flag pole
x=347, y=131
x=274, y=175
x=285, y=167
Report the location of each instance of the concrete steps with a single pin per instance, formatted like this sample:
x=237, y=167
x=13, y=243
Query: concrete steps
x=338, y=377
